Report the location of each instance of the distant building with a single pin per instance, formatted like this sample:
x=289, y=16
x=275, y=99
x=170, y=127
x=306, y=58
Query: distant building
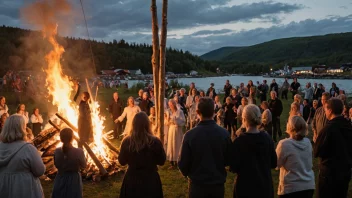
x=193, y=73
x=136, y=72
x=302, y=70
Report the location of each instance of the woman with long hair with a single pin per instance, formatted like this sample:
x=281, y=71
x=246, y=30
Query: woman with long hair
x=68, y=160
x=130, y=111
x=176, y=122
x=294, y=158
x=21, y=110
x=142, y=152
x=20, y=162
x=294, y=111
x=85, y=126
x=253, y=156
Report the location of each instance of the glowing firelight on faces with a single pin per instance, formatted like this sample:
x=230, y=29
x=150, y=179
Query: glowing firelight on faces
x=60, y=89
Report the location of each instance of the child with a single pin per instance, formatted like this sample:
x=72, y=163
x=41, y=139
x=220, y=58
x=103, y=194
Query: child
x=152, y=120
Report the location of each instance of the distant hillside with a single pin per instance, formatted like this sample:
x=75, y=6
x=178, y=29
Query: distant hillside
x=331, y=48
x=25, y=50
x=220, y=53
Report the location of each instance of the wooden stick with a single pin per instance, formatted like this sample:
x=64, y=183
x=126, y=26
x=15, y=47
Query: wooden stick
x=88, y=149
x=96, y=93
x=108, y=143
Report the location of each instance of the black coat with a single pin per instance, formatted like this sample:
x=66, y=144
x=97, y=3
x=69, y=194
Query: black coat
x=85, y=127
x=116, y=108
x=334, y=146
x=142, y=178
x=275, y=107
x=252, y=158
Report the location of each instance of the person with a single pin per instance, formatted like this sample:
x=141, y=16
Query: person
x=252, y=158
x=142, y=152
x=206, y=173
x=298, y=99
x=250, y=86
x=334, y=90
x=317, y=92
x=276, y=108
x=85, y=126
x=190, y=106
x=319, y=119
x=3, y=119
x=294, y=110
x=242, y=90
x=68, y=160
x=176, y=122
x=37, y=122
x=191, y=87
x=20, y=162
x=266, y=118
x=263, y=91
x=192, y=115
x=140, y=96
x=130, y=111
x=334, y=149
x=294, y=159
x=3, y=107
x=115, y=110
x=202, y=94
x=18, y=89
x=236, y=98
x=267, y=124
x=345, y=112
x=244, y=102
x=306, y=110
x=145, y=103
x=21, y=110
x=227, y=90
x=182, y=99
x=294, y=87
x=251, y=97
x=211, y=91
x=217, y=104
x=152, y=120
x=350, y=115
x=309, y=93
x=230, y=121
x=274, y=87
x=284, y=89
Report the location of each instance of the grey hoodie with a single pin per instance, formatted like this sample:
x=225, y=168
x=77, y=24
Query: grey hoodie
x=294, y=158
x=20, y=166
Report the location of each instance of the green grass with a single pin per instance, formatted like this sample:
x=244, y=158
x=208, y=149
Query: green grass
x=174, y=184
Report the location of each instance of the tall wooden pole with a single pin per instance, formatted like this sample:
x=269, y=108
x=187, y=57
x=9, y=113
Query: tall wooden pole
x=155, y=56
x=161, y=93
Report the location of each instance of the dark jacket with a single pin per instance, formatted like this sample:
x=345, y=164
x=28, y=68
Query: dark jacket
x=211, y=89
x=142, y=178
x=275, y=107
x=295, y=86
x=306, y=112
x=274, y=87
x=205, y=153
x=229, y=115
x=334, y=146
x=145, y=106
x=227, y=90
x=252, y=158
x=317, y=93
x=116, y=108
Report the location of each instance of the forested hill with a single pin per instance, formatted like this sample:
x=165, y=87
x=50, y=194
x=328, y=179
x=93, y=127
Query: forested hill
x=24, y=49
x=331, y=48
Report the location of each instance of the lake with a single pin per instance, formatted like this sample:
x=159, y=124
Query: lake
x=204, y=83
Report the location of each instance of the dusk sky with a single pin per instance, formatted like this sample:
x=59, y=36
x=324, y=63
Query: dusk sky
x=200, y=26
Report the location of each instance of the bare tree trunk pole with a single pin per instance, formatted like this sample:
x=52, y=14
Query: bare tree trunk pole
x=155, y=56
x=161, y=94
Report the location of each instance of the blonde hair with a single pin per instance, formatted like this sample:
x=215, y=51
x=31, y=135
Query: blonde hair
x=141, y=133
x=14, y=129
x=298, y=98
x=297, y=127
x=295, y=105
x=252, y=115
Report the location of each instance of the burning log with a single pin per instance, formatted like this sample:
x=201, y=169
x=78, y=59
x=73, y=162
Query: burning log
x=51, y=149
x=85, y=145
x=108, y=143
x=43, y=136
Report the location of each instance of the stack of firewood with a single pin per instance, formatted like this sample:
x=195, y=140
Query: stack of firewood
x=98, y=166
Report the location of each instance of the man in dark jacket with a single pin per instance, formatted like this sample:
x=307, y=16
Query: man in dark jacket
x=227, y=90
x=274, y=87
x=295, y=87
x=115, y=110
x=145, y=104
x=276, y=108
x=205, y=153
x=334, y=149
x=264, y=88
x=317, y=92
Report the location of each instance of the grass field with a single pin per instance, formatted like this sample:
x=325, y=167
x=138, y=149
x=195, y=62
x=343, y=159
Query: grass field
x=174, y=184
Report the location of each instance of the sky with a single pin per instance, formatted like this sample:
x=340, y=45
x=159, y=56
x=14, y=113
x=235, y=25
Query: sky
x=198, y=26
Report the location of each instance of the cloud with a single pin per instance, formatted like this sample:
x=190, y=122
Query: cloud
x=132, y=14
x=210, y=32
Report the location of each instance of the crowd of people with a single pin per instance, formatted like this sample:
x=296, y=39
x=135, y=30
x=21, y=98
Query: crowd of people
x=242, y=133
